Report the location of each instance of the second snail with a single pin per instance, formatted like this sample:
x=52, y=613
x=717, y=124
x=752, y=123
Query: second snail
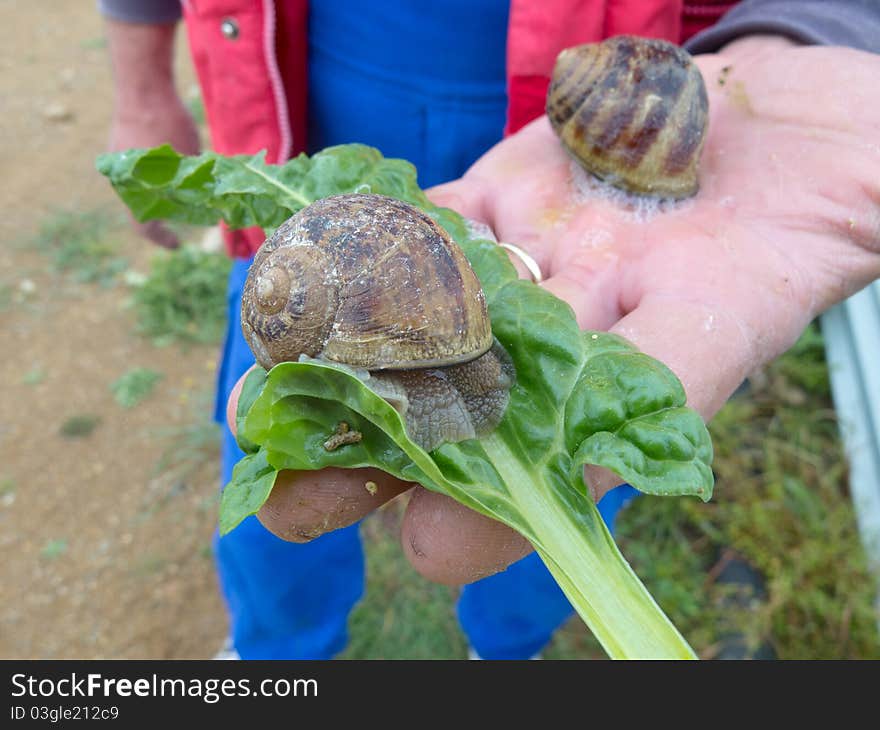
x=633, y=111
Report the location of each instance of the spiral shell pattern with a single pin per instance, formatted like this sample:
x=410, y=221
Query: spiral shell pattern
x=364, y=280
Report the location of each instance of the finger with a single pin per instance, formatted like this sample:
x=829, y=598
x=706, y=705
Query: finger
x=709, y=348
x=592, y=294
x=451, y=544
x=466, y=196
x=304, y=505
x=600, y=480
x=158, y=233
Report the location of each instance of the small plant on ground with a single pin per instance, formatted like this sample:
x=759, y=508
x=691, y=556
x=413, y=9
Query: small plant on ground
x=81, y=244
x=135, y=385
x=79, y=425
x=5, y=296
x=191, y=445
x=183, y=298
x=34, y=376
x=7, y=486
x=53, y=549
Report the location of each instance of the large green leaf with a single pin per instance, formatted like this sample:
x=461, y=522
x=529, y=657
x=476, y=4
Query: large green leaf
x=244, y=190
x=580, y=397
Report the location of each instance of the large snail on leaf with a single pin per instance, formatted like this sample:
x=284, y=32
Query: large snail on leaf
x=375, y=284
x=633, y=111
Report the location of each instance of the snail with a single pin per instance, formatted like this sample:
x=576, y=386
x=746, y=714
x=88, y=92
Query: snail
x=375, y=284
x=633, y=111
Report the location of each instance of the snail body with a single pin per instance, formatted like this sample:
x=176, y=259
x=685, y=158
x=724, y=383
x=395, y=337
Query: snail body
x=373, y=283
x=633, y=111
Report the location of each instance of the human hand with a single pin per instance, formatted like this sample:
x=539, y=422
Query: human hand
x=166, y=122
x=147, y=108
x=786, y=223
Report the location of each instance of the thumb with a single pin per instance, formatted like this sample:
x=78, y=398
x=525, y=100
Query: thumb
x=466, y=196
x=232, y=403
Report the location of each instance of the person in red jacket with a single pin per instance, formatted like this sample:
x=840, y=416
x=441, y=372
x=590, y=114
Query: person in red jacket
x=714, y=293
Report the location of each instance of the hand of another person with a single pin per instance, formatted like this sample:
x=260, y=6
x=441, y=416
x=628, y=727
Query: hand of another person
x=786, y=223
x=147, y=108
x=170, y=123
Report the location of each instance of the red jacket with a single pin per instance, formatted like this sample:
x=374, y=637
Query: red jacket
x=239, y=47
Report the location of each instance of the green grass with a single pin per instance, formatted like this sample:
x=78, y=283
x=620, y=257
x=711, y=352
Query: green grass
x=79, y=425
x=191, y=445
x=34, y=376
x=781, y=502
x=150, y=564
x=7, y=486
x=53, y=549
x=183, y=298
x=5, y=296
x=402, y=615
x=97, y=42
x=81, y=245
x=134, y=386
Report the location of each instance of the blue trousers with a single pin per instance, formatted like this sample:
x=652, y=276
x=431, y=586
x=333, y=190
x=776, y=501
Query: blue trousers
x=292, y=601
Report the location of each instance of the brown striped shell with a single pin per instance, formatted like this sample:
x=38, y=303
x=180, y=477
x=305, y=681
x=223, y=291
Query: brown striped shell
x=633, y=111
x=364, y=280
x=374, y=283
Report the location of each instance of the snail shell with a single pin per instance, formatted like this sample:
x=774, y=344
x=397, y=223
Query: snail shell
x=364, y=280
x=374, y=283
x=633, y=111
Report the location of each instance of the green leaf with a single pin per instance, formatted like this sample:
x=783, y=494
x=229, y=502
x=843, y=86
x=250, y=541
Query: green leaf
x=488, y=260
x=252, y=480
x=579, y=398
x=244, y=190
x=302, y=404
x=662, y=453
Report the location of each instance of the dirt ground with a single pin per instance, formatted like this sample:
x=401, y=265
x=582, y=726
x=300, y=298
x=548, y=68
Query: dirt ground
x=104, y=555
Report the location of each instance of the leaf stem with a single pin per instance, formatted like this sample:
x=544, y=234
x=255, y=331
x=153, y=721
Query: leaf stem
x=584, y=559
x=290, y=192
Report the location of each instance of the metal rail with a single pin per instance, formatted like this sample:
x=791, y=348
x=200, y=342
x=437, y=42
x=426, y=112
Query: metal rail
x=851, y=331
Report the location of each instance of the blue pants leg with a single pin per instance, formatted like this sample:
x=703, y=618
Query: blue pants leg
x=513, y=614
x=285, y=600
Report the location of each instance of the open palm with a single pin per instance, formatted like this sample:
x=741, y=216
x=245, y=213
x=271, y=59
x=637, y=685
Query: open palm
x=786, y=223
